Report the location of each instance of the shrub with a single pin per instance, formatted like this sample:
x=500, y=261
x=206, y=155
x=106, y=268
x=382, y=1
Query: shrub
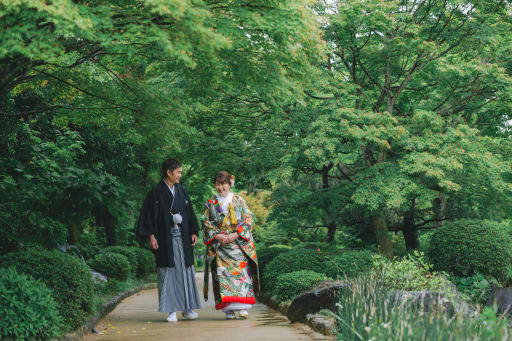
x=68, y=277
x=348, y=263
x=291, y=284
x=476, y=288
x=27, y=308
x=399, y=246
x=411, y=273
x=128, y=252
x=424, y=239
x=267, y=253
x=294, y=260
x=145, y=261
x=465, y=247
x=111, y=264
x=88, y=251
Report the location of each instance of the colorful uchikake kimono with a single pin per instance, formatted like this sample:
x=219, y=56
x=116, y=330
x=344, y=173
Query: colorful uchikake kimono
x=234, y=265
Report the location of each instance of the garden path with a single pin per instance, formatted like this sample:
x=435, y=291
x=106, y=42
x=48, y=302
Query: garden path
x=136, y=319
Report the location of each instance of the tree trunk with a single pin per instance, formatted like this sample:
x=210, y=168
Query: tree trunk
x=439, y=209
x=410, y=232
x=331, y=232
x=250, y=187
x=331, y=223
x=73, y=234
x=108, y=222
x=380, y=229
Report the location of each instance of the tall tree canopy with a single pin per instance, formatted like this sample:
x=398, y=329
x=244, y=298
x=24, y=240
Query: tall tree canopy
x=360, y=116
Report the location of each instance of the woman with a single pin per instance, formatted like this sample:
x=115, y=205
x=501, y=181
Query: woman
x=230, y=251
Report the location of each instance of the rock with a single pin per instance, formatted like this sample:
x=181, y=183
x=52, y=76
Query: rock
x=321, y=324
x=320, y=297
x=503, y=299
x=426, y=300
x=97, y=277
x=71, y=248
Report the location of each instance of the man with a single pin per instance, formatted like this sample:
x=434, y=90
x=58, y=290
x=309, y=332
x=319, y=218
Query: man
x=168, y=219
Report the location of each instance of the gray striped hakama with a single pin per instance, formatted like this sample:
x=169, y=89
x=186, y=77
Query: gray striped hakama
x=177, y=290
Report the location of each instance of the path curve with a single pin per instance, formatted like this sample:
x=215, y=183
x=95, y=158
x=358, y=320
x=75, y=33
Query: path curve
x=136, y=318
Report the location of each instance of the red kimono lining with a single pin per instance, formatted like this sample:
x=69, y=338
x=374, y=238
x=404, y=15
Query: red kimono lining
x=231, y=299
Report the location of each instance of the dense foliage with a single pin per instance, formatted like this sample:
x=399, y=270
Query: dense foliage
x=465, y=247
x=145, y=262
x=289, y=285
x=130, y=254
x=343, y=121
x=27, y=308
x=342, y=264
x=291, y=261
x=113, y=265
x=412, y=273
x=67, y=276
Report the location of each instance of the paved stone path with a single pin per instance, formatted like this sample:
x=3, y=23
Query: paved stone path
x=136, y=318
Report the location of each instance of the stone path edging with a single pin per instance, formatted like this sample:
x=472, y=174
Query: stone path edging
x=316, y=322
x=105, y=309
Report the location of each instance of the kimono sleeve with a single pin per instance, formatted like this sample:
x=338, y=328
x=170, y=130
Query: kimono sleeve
x=148, y=214
x=245, y=226
x=209, y=230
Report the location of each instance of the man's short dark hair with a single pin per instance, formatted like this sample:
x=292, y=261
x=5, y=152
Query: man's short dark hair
x=170, y=164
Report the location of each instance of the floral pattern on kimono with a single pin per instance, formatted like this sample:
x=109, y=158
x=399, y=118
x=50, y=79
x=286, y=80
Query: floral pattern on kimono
x=234, y=265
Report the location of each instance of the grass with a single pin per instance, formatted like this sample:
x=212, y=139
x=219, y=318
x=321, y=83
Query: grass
x=366, y=311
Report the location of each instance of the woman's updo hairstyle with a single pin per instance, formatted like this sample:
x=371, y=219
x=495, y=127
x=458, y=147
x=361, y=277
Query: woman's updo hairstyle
x=223, y=177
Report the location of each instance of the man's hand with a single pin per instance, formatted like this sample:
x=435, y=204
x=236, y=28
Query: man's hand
x=194, y=239
x=153, y=244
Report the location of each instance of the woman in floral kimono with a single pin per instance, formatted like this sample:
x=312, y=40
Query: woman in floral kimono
x=230, y=251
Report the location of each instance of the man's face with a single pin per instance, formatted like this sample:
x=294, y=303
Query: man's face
x=174, y=176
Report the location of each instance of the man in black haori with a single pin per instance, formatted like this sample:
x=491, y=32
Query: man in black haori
x=168, y=219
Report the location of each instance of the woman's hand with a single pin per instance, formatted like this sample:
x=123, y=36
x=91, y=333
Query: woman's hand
x=233, y=236
x=222, y=238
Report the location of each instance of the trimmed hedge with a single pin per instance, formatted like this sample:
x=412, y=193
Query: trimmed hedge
x=291, y=284
x=465, y=247
x=112, y=265
x=27, y=308
x=128, y=252
x=294, y=260
x=68, y=277
x=334, y=264
x=145, y=262
x=348, y=263
x=88, y=251
x=267, y=253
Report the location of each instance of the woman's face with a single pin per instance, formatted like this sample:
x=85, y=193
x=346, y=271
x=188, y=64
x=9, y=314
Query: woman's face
x=222, y=188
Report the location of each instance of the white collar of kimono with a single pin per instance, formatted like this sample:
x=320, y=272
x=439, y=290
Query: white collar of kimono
x=170, y=188
x=224, y=201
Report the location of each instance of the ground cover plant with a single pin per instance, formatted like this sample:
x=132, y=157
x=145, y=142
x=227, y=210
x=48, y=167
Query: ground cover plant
x=366, y=311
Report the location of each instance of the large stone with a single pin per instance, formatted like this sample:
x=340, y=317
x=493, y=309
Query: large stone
x=428, y=300
x=98, y=277
x=503, y=299
x=425, y=300
x=320, y=297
